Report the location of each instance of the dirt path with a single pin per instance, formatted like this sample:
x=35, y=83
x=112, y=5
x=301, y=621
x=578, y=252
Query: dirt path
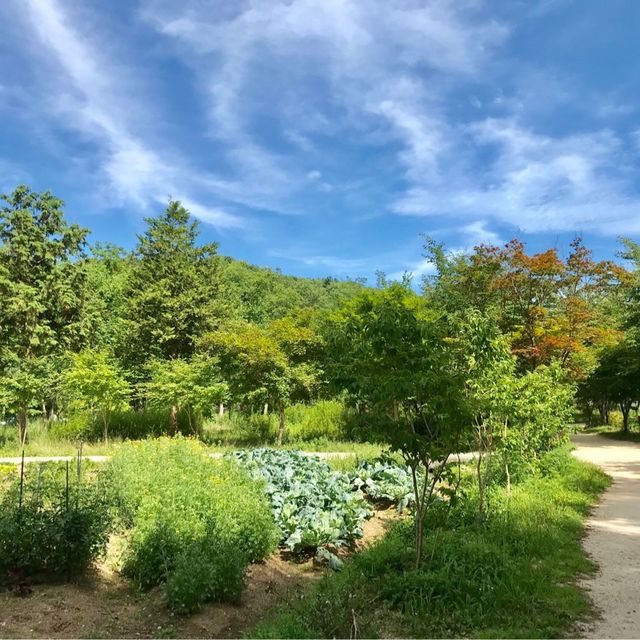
x=613, y=539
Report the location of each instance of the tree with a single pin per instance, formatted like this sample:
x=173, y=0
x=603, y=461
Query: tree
x=108, y=270
x=550, y=309
x=254, y=365
x=193, y=385
x=94, y=383
x=172, y=290
x=393, y=354
x=617, y=379
x=42, y=291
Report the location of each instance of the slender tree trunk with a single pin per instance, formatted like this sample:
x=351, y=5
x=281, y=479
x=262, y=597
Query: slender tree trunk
x=221, y=410
x=174, y=420
x=281, y=426
x=625, y=407
x=603, y=410
x=22, y=423
x=265, y=409
x=507, y=473
x=480, y=486
x=45, y=415
x=105, y=422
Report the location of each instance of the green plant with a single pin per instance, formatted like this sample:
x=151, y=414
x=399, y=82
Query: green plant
x=384, y=479
x=312, y=504
x=51, y=523
x=193, y=523
x=510, y=576
x=322, y=419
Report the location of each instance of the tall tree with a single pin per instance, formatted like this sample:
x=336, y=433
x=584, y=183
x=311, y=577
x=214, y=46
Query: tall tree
x=393, y=354
x=548, y=307
x=172, y=291
x=42, y=292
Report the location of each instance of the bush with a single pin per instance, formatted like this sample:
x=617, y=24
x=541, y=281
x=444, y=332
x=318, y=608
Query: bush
x=194, y=523
x=125, y=425
x=57, y=531
x=324, y=419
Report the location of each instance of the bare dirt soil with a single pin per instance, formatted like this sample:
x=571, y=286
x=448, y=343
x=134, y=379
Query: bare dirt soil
x=613, y=539
x=103, y=605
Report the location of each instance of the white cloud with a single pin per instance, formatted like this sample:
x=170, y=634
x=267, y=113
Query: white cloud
x=537, y=182
x=369, y=58
x=93, y=102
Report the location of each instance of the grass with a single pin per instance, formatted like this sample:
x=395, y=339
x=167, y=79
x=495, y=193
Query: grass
x=614, y=433
x=512, y=576
x=42, y=443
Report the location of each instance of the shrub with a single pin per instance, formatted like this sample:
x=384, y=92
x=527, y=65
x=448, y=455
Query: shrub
x=194, y=523
x=57, y=529
x=126, y=425
x=323, y=419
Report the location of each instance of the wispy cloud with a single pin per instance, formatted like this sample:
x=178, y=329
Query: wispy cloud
x=91, y=100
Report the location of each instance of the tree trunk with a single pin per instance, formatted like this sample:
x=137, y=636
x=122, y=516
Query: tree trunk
x=221, y=410
x=174, y=420
x=45, y=415
x=265, y=409
x=507, y=473
x=281, y=425
x=480, y=487
x=625, y=407
x=603, y=410
x=105, y=422
x=22, y=423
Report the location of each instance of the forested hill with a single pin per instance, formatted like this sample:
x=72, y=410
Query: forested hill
x=260, y=294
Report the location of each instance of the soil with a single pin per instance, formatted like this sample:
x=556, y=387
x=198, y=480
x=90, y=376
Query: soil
x=104, y=605
x=613, y=540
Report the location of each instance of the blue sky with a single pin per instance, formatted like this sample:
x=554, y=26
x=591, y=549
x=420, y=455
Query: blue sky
x=324, y=136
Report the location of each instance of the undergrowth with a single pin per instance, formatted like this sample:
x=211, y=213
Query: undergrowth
x=509, y=576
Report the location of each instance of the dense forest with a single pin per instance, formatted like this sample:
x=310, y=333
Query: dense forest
x=173, y=326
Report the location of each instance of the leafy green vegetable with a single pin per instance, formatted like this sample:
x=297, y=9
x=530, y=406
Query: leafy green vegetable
x=384, y=479
x=312, y=504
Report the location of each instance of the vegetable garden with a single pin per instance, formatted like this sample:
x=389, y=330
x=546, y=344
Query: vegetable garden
x=182, y=520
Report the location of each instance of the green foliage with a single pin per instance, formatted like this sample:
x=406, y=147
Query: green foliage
x=56, y=529
x=617, y=378
x=396, y=357
x=95, y=385
x=192, y=386
x=125, y=425
x=322, y=419
x=42, y=291
x=172, y=290
x=193, y=523
x=312, y=504
x=260, y=295
x=384, y=479
x=511, y=576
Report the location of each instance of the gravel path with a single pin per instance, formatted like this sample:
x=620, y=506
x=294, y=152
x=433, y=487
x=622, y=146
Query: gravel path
x=613, y=539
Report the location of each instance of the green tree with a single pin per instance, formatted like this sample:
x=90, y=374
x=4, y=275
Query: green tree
x=617, y=379
x=254, y=365
x=192, y=385
x=42, y=292
x=172, y=290
x=93, y=383
x=396, y=357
